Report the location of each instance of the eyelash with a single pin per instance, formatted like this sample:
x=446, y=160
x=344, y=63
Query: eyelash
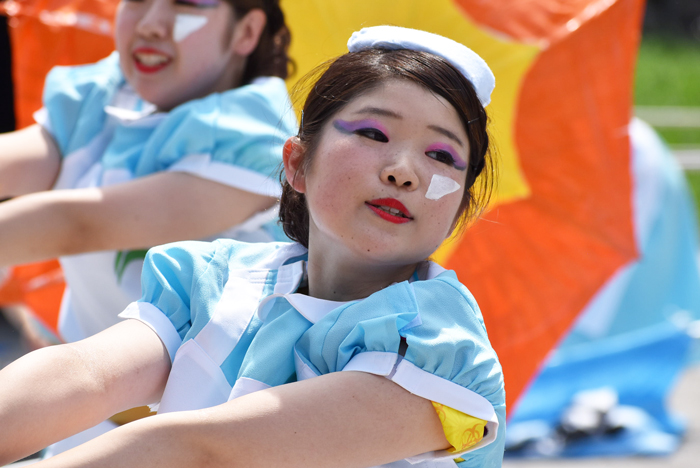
x=193, y=4
x=438, y=155
x=372, y=134
x=441, y=156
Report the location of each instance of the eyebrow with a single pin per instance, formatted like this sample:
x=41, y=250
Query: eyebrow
x=447, y=133
x=378, y=111
x=387, y=113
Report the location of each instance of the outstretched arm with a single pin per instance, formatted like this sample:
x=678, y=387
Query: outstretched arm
x=29, y=161
x=343, y=419
x=153, y=210
x=58, y=391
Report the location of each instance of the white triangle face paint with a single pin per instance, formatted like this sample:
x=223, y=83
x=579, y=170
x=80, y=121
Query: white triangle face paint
x=441, y=186
x=186, y=25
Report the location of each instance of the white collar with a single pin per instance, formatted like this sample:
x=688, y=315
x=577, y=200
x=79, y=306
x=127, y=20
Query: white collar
x=129, y=109
x=312, y=308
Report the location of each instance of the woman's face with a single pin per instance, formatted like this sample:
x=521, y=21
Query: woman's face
x=172, y=51
x=388, y=175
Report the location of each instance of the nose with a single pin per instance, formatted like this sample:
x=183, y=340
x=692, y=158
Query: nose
x=401, y=173
x=157, y=20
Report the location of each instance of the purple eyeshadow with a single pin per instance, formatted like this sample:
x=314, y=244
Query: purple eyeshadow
x=460, y=163
x=355, y=125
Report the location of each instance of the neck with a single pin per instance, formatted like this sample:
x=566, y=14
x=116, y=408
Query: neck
x=341, y=277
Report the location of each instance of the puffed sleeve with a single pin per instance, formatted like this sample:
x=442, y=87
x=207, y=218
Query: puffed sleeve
x=180, y=285
x=234, y=138
x=429, y=338
x=74, y=99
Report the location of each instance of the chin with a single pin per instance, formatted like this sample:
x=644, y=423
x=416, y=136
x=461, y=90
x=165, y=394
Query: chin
x=157, y=99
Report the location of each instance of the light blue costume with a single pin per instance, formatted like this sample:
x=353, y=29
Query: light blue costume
x=107, y=135
x=229, y=316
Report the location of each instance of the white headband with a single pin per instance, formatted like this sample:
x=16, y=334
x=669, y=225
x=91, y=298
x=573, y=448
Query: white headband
x=461, y=57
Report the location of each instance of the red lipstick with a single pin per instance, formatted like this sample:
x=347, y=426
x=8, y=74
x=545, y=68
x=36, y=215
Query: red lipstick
x=150, y=60
x=390, y=209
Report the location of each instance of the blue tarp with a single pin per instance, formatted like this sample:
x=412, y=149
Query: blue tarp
x=632, y=338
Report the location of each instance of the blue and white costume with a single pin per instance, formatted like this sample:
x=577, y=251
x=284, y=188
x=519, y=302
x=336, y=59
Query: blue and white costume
x=107, y=135
x=233, y=324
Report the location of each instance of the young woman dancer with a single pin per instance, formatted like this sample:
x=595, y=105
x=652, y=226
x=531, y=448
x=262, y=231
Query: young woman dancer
x=347, y=348
x=175, y=136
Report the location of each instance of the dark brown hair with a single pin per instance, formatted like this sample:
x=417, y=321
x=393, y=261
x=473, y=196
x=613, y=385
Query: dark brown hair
x=270, y=56
x=353, y=74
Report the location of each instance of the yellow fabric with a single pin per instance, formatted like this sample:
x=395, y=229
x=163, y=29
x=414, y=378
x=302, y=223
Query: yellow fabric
x=461, y=430
x=131, y=415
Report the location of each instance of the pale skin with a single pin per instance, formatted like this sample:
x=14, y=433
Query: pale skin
x=342, y=419
x=40, y=223
x=314, y=423
x=350, y=259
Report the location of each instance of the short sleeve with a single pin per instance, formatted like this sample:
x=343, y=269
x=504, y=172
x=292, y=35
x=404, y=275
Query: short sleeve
x=74, y=100
x=446, y=356
x=180, y=284
x=234, y=138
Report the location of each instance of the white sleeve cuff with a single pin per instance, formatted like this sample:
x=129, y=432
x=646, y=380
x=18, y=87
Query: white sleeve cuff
x=433, y=388
x=227, y=174
x=159, y=323
x=42, y=118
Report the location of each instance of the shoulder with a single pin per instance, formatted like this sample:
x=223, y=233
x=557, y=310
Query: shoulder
x=446, y=292
x=265, y=99
x=75, y=81
x=74, y=99
x=224, y=254
x=270, y=90
x=244, y=127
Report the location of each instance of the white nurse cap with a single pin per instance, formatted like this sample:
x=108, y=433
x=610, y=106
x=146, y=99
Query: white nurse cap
x=473, y=67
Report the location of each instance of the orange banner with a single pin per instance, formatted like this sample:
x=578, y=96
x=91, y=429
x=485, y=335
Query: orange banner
x=43, y=34
x=46, y=33
x=561, y=224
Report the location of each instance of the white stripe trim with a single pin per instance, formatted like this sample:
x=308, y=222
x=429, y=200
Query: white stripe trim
x=234, y=176
x=304, y=371
x=312, y=308
x=42, y=118
x=245, y=386
x=159, y=323
x=374, y=362
x=433, y=388
x=281, y=255
x=232, y=314
x=430, y=386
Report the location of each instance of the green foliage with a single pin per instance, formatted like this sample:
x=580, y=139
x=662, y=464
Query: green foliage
x=693, y=178
x=680, y=136
x=668, y=72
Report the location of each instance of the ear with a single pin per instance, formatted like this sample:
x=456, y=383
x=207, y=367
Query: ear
x=293, y=158
x=247, y=31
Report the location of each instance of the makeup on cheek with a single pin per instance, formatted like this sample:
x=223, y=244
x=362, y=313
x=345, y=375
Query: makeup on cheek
x=187, y=24
x=348, y=127
x=438, y=148
x=441, y=186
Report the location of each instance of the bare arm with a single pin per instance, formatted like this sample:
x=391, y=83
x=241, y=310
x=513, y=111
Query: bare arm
x=29, y=161
x=344, y=419
x=58, y=391
x=148, y=211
